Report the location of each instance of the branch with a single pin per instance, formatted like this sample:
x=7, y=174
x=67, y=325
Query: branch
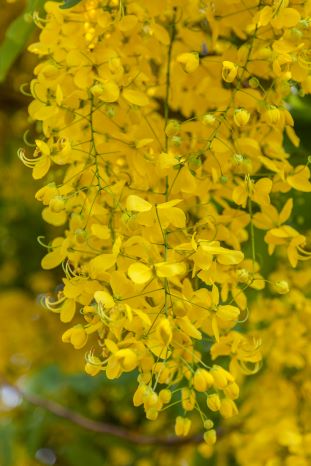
x=101, y=427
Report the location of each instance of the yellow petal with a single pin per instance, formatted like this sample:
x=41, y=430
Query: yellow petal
x=43, y=147
x=187, y=326
x=285, y=231
x=161, y=34
x=137, y=204
x=68, y=310
x=139, y=273
x=190, y=61
x=215, y=328
x=292, y=136
x=239, y=195
x=99, y=265
x=100, y=231
x=41, y=168
x=168, y=269
x=54, y=218
x=286, y=211
x=300, y=179
x=127, y=23
x=230, y=258
x=169, y=204
x=228, y=312
x=110, y=91
x=104, y=298
x=135, y=97
x=52, y=259
x=264, y=185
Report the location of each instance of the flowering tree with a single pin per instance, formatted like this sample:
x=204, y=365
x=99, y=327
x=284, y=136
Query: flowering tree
x=164, y=137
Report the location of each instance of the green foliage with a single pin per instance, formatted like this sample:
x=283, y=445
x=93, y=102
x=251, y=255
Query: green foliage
x=17, y=36
x=69, y=4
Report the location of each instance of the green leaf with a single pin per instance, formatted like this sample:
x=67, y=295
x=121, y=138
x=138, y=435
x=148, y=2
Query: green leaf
x=7, y=435
x=69, y=4
x=16, y=37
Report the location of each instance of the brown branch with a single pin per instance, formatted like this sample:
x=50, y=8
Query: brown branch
x=101, y=427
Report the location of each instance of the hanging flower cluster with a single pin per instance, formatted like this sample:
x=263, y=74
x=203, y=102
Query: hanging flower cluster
x=162, y=127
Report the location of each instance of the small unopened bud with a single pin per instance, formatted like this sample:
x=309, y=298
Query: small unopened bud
x=165, y=395
x=208, y=119
x=210, y=437
x=188, y=399
x=243, y=275
x=152, y=414
x=202, y=380
x=57, y=204
x=272, y=115
x=208, y=424
x=281, y=287
x=241, y=117
x=238, y=158
x=182, y=426
x=229, y=71
x=213, y=402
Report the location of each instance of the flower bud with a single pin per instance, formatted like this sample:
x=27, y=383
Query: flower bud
x=208, y=424
x=228, y=408
x=188, y=399
x=213, y=402
x=76, y=336
x=152, y=414
x=232, y=391
x=272, y=115
x=57, y=204
x=281, y=287
x=221, y=377
x=165, y=395
x=229, y=71
x=182, y=426
x=241, y=117
x=150, y=398
x=138, y=398
x=202, y=380
x=210, y=437
x=208, y=119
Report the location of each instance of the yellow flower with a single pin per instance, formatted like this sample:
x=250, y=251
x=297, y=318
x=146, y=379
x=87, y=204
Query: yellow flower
x=189, y=61
x=241, y=117
x=229, y=71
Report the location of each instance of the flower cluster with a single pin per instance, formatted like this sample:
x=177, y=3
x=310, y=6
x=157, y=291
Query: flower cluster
x=162, y=127
x=279, y=432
